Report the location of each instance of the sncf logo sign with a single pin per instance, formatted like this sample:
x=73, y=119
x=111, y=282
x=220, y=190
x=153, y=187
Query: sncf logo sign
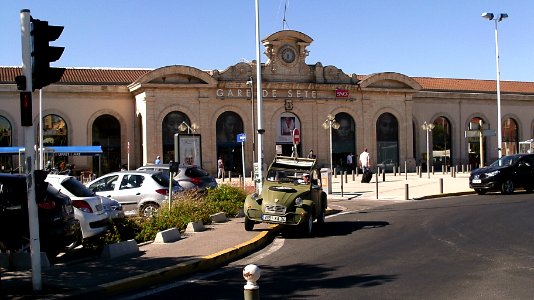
x=342, y=93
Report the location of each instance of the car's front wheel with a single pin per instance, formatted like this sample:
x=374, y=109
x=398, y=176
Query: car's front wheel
x=307, y=225
x=507, y=186
x=249, y=224
x=148, y=210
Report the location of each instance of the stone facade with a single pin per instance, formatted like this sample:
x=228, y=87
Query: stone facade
x=292, y=90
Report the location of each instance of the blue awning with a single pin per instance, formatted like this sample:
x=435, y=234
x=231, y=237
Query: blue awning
x=11, y=150
x=58, y=150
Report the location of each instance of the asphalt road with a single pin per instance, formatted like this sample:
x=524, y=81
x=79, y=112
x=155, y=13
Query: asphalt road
x=469, y=247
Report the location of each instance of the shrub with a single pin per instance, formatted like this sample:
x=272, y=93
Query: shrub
x=189, y=206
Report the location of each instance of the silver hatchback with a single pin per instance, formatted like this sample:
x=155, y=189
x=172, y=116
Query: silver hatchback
x=147, y=190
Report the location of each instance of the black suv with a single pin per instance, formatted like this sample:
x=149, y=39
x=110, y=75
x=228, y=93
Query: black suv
x=505, y=175
x=57, y=226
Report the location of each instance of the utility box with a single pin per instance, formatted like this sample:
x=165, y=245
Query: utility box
x=326, y=180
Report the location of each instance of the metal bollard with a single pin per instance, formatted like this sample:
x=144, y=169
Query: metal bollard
x=376, y=182
x=384, y=175
x=346, y=178
x=441, y=185
x=230, y=176
x=251, y=273
x=406, y=194
x=353, y=176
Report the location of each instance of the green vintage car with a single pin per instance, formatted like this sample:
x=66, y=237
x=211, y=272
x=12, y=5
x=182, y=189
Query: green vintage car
x=292, y=195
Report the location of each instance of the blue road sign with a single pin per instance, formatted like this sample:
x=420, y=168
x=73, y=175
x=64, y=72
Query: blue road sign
x=241, y=137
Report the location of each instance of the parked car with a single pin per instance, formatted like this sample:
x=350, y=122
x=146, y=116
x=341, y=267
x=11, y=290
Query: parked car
x=287, y=196
x=144, y=189
x=189, y=177
x=88, y=207
x=505, y=175
x=58, y=227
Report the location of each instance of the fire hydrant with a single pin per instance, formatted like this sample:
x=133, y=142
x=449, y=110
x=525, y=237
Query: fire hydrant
x=251, y=273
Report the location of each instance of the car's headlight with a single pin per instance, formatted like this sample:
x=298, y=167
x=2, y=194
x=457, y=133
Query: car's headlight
x=491, y=174
x=298, y=201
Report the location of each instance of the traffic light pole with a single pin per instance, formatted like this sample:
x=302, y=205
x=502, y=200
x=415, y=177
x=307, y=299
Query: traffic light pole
x=29, y=142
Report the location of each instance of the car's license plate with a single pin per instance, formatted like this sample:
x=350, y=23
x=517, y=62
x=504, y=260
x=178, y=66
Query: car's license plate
x=477, y=181
x=274, y=218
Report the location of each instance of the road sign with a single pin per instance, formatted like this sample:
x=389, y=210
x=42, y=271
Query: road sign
x=241, y=137
x=296, y=136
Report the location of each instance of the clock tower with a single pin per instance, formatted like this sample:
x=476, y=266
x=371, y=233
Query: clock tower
x=286, y=51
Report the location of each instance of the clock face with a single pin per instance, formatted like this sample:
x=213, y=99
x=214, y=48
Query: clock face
x=288, y=55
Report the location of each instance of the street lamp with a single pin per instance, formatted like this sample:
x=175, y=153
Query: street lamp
x=330, y=123
x=497, y=19
x=428, y=128
x=190, y=129
x=250, y=84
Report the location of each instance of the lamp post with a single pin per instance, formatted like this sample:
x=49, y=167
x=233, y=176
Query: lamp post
x=330, y=123
x=250, y=84
x=190, y=129
x=428, y=128
x=497, y=18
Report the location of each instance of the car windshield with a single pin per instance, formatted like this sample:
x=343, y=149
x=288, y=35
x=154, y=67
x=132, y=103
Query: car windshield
x=76, y=188
x=505, y=161
x=285, y=175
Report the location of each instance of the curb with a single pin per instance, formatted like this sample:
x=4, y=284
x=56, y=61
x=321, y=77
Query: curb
x=186, y=268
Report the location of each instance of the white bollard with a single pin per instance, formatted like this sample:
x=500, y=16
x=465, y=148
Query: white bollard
x=251, y=273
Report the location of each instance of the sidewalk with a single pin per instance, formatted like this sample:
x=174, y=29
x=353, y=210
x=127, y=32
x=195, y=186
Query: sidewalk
x=218, y=245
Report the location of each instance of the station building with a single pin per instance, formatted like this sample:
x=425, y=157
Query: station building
x=138, y=114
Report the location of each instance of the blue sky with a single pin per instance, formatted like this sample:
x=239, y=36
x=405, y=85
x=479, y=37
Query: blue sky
x=445, y=39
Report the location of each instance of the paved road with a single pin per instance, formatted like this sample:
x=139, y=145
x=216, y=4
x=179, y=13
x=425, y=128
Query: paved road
x=469, y=247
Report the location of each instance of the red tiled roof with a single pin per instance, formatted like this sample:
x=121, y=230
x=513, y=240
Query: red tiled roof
x=126, y=76
x=474, y=85
x=83, y=75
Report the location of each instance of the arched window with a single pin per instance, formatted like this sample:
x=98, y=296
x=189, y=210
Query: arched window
x=510, y=140
x=229, y=125
x=55, y=131
x=170, y=126
x=343, y=140
x=107, y=133
x=387, y=139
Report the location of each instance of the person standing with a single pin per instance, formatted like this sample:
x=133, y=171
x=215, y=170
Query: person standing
x=158, y=160
x=349, y=161
x=220, y=167
x=311, y=155
x=365, y=160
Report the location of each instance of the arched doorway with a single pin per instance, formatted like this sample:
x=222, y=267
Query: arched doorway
x=229, y=125
x=387, y=139
x=510, y=137
x=344, y=141
x=170, y=125
x=476, y=143
x=106, y=132
x=284, y=136
x=6, y=162
x=441, y=143
x=55, y=133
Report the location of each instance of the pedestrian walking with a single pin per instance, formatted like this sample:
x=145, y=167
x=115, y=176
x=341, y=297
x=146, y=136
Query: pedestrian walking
x=350, y=158
x=158, y=160
x=365, y=160
x=220, y=168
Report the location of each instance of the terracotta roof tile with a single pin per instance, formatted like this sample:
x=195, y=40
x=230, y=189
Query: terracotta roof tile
x=108, y=76
x=83, y=75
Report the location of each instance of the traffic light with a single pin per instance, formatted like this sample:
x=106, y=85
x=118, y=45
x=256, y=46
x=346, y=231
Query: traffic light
x=26, y=113
x=43, y=54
